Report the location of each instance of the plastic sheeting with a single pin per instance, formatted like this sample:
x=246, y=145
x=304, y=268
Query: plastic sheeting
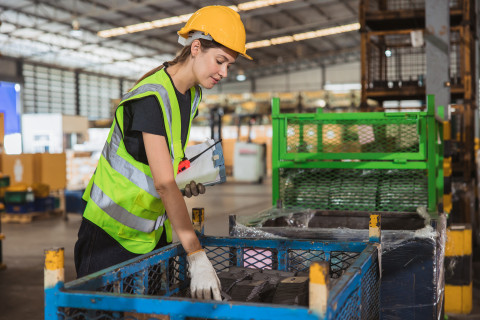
x=412, y=260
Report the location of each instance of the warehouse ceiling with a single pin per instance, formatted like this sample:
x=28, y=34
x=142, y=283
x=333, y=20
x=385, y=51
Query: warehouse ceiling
x=66, y=33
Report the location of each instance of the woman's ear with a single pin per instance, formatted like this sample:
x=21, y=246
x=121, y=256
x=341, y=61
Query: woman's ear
x=195, y=47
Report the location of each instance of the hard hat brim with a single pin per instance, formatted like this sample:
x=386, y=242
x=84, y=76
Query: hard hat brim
x=245, y=56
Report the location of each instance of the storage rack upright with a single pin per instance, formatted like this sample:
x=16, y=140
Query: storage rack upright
x=394, y=67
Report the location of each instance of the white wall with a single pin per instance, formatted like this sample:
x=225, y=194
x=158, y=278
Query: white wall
x=344, y=73
x=42, y=132
x=307, y=80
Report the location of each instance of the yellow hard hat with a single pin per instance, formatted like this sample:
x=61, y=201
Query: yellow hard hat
x=222, y=23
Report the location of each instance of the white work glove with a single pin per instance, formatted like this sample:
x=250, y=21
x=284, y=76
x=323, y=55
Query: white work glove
x=204, y=283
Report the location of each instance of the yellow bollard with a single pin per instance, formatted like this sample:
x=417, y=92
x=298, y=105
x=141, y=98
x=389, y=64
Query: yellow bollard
x=54, y=277
x=458, y=269
x=198, y=218
x=374, y=228
x=54, y=271
x=318, y=286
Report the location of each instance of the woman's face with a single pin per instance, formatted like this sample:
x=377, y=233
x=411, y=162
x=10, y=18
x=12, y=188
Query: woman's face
x=211, y=65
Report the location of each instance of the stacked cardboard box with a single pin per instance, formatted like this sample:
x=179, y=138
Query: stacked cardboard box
x=27, y=169
x=80, y=168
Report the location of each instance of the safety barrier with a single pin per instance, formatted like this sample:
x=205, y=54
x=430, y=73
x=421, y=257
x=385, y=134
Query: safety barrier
x=150, y=286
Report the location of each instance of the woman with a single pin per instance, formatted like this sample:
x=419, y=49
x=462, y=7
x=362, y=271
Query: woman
x=134, y=184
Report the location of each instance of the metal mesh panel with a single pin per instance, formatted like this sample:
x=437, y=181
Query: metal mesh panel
x=221, y=257
x=107, y=288
x=84, y=314
x=370, y=292
x=176, y=271
x=156, y=280
x=391, y=5
x=393, y=135
x=354, y=189
x=394, y=63
x=340, y=261
x=352, y=309
x=259, y=258
x=152, y=281
x=300, y=260
x=455, y=58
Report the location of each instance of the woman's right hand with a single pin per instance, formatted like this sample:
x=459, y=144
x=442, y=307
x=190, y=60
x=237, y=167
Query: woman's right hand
x=204, y=283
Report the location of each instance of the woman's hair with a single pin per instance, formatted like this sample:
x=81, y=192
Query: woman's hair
x=181, y=57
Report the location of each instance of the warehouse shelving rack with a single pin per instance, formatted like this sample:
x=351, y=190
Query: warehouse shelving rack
x=372, y=161
x=387, y=14
x=385, y=27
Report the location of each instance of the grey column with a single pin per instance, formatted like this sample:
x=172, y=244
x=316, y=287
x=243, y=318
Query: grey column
x=437, y=38
x=323, y=74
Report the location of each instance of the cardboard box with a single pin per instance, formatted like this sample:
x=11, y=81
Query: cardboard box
x=20, y=168
x=51, y=169
x=228, y=145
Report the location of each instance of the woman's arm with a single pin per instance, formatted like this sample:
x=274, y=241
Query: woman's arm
x=162, y=171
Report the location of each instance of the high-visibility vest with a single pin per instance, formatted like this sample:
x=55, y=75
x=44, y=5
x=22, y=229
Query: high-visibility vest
x=121, y=196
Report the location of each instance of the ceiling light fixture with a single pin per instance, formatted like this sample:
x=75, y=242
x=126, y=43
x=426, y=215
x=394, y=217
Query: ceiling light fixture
x=75, y=31
x=161, y=23
x=303, y=36
x=241, y=76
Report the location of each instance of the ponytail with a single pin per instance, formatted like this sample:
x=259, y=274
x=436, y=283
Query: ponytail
x=181, y=57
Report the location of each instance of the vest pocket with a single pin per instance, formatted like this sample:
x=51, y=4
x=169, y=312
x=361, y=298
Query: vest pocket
x=132, y=234
x=142, y=207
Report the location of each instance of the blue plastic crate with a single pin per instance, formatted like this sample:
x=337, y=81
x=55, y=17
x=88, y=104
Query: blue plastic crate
x=74, y=202
x=44, y=204
x=27, y=207
x=147, y=285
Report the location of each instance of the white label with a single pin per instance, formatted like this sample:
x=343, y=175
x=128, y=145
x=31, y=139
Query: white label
x=18, y=171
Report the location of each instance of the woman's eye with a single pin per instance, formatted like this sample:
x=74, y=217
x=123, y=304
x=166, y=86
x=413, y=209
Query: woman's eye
x=219, y=62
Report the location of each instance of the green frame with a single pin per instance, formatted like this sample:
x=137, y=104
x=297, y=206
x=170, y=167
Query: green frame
x=429, y=156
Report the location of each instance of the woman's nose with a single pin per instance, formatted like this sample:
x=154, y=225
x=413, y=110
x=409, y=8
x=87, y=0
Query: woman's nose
x=223, y=71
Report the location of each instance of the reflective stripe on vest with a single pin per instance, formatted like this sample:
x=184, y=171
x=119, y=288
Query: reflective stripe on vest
x=166, y=103
x=129, y=171
x=122, y=215
x=123, y=167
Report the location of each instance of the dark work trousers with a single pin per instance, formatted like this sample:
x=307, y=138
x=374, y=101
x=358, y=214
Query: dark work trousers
x=96, y=250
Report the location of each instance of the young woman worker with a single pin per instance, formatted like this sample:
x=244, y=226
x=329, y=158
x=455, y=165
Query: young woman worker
x=133, y=188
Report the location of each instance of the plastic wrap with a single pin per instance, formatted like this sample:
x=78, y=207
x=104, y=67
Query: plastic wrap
x=278, y=217
x=412, y=260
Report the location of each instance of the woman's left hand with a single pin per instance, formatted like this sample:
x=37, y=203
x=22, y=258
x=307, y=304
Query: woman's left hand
x=193, y=189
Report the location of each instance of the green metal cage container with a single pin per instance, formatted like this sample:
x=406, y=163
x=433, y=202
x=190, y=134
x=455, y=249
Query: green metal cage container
x=375, y=161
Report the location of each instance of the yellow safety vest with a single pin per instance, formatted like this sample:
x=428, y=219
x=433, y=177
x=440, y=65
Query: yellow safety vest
x=121, y=196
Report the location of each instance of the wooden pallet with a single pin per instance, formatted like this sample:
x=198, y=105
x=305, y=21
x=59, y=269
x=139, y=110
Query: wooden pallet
x=29, y=217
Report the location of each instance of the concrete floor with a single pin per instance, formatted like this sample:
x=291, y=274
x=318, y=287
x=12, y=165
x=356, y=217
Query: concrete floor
x=21, y=284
